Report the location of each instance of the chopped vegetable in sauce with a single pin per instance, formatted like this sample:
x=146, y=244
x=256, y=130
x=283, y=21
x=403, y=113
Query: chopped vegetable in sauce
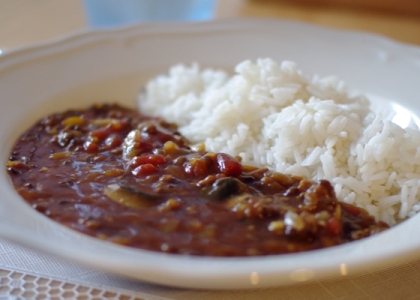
x=112, y=173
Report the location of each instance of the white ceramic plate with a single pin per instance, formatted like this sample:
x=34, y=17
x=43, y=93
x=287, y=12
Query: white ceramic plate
x=113, y=65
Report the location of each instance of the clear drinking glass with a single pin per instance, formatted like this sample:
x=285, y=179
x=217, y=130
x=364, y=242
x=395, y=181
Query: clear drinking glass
x=111, y=13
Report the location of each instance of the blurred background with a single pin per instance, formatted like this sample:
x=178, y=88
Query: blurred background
x=24, y=22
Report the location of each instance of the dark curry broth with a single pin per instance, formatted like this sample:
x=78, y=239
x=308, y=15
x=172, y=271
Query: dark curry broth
x=112, y=173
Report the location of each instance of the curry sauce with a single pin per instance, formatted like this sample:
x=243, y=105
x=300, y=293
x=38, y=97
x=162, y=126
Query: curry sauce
x=117, y=175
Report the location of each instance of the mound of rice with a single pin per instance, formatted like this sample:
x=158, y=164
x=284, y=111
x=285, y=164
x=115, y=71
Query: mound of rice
x=272, y=115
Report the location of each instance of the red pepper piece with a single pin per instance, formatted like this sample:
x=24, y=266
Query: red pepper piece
x=153, y=159
x=101, y=133
x=91, y=146
x=113, y=141
x=228, y=165
x=144, y=170
x=333, y=226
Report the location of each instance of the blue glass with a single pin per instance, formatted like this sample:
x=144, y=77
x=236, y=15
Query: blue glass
x=111, y=13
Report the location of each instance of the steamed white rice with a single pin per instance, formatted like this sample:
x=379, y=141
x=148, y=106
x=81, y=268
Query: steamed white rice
x=272, y=115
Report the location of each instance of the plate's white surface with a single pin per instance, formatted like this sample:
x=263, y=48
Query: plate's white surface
x=113, y=65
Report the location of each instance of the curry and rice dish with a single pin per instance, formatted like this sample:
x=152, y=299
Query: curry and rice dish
x=140, y=180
